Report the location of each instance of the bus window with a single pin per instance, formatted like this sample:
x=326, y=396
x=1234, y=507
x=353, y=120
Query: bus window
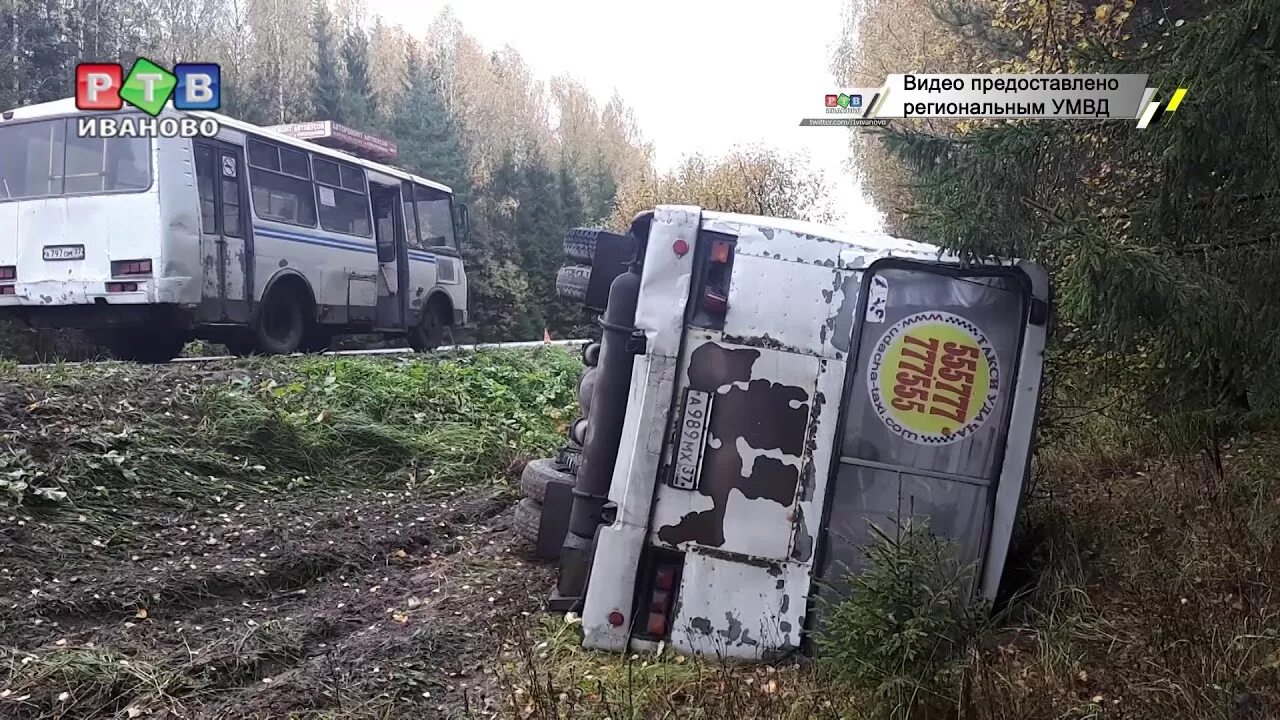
x=343, y=204
x=204, y=179
x=281, y=182
x=38, y=159
x=435, y=218
x=85, y=171
x=410, y=217
x=30, y=157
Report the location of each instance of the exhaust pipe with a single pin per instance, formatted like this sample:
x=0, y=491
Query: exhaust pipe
x=612, y=387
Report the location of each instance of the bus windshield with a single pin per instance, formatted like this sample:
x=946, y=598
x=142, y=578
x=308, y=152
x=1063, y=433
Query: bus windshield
x=434, y=218
x=45, y=158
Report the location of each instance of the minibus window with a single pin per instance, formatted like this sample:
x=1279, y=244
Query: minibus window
x=45, y=158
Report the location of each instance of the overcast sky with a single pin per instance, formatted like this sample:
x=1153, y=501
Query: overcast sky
x=701, y=75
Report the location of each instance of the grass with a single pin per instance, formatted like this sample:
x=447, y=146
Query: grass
x=88, y=682
x=85, y=443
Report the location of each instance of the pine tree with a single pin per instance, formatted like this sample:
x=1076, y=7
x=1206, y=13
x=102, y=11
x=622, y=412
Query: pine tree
x=327, y=95
x=425, y=133
x=357, y=93
x=1162, y=244
x=539, y=230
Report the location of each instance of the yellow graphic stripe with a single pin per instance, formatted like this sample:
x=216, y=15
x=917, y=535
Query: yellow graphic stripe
x=1176, y=100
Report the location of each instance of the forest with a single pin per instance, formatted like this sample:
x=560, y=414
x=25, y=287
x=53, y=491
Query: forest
x=532, y=159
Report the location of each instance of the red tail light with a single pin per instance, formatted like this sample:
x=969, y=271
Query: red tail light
x=130, y=267
x=8, y=272
x=720, y=252
x=662, y=596
x=716, y=303
x=122, y=287
x=716, y=298
x=6, y=290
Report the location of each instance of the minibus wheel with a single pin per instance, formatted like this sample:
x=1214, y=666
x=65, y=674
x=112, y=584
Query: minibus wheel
x=528, y=518
x=282, y=324
x=429, y=333
x=572, y=282
x=537, y=474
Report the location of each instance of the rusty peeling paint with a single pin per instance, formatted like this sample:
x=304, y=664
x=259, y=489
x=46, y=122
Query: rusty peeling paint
x=802, y=548
x=782, y=583
x=701, y=624
x=844, y=315
x=735, y=632
x=711, y=366
x=766, y=342
x=767, y=232
x=785, y=605
x=284, y=263
x=783, y=625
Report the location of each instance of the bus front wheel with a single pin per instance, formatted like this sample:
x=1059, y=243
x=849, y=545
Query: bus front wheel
x=282, y=323
x=430, y=332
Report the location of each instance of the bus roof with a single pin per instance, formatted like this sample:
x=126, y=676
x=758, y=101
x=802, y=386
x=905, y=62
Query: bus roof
x=870, y=240
x=67, y=106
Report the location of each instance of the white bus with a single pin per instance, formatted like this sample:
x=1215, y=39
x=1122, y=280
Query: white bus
x=253, y=239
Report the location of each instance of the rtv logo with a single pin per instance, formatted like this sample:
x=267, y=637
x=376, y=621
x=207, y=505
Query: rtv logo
x=148, y=87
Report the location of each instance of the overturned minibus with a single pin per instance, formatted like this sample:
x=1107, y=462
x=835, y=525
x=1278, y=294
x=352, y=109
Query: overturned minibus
x=765, y=391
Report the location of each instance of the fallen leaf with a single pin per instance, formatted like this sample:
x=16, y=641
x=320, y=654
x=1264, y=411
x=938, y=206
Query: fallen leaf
x=142, y=614
x=400, y=617
x=401, y=553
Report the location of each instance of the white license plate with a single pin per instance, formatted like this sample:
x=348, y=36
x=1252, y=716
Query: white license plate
x=690, y=439
x=64, y=252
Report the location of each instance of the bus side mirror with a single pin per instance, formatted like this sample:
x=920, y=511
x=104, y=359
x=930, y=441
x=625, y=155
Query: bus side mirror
x=464, y=219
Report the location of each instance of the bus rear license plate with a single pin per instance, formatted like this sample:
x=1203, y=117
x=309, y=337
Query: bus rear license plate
x=690, y=439
x=64, y=252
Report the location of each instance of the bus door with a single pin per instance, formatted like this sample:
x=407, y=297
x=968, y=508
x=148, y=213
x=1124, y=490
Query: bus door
x=938, y=418
x=226, y=236
x=393, y=258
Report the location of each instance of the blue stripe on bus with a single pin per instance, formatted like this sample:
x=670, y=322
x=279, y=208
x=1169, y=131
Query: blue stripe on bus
x=333, y=243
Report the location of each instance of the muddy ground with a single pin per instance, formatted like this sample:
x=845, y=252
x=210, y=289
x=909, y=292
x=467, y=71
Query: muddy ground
x=284, y=600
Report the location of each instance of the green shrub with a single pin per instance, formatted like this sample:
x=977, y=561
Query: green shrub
x=900, y=633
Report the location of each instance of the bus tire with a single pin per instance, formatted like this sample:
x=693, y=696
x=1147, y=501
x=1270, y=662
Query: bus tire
x=282, y=323
x=431, y=330
x=572, y=282
x=537, y=474
x=528, y=518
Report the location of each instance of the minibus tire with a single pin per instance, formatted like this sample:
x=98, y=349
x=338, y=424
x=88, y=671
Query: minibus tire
x=580, y=245
x=294, y=320
x=572, y=282
x=528, y=518
x=429, y=333
x=591, y=354
x=536, y=475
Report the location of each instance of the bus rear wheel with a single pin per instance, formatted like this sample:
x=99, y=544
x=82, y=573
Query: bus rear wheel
x=282, y=323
